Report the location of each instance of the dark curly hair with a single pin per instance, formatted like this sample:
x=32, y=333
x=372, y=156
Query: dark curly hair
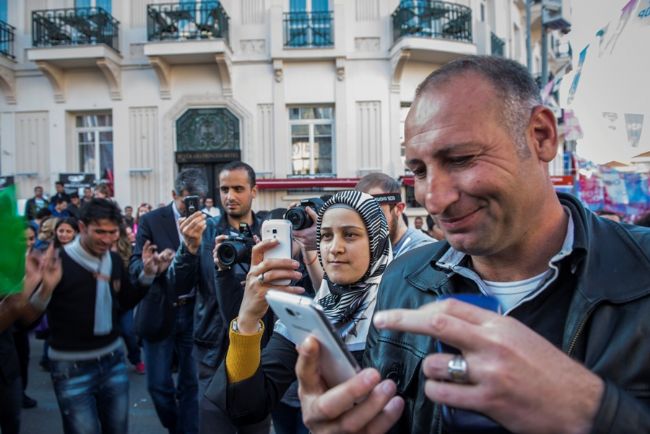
x=100, y=209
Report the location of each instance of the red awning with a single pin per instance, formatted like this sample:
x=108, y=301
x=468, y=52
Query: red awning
x=347, y=183
x=407, y=180
x=305, y=183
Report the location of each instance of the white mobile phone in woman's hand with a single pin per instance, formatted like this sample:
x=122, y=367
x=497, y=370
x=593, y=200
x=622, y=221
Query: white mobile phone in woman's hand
x=303, y=318
x=278, y=229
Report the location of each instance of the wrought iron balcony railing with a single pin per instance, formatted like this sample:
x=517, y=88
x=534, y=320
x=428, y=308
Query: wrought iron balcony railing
x=7, y=35
x=497, y=45
x=74, y=26
x=432, y=19
x=178, y=21
x=308, y=29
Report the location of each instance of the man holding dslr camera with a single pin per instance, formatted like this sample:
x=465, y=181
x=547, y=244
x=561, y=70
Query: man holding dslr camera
x=200, y=261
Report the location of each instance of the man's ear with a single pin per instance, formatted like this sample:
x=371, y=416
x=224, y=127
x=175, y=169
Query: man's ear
x=400, y=207
x=254, y=191
x=82, y=226
x=542, y=132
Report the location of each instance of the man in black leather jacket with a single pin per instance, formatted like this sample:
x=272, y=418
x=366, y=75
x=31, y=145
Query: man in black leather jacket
x=569, y=354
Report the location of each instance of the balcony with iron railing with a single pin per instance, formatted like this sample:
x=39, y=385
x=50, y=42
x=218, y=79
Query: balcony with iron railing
x=187, y=21
x=74, y=27
x=432, y=19
x=308, y=29
x=7, y=62
x=72, y=38
x=431, y=31
x=188, y=33
x=7, y=36
x=497, y=45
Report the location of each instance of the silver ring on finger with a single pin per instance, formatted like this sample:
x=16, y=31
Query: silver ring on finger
x=458, y=369
x=260, y=278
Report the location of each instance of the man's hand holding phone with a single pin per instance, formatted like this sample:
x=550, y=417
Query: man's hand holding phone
x=192, y=228
x=509, y=368
x=361, y=404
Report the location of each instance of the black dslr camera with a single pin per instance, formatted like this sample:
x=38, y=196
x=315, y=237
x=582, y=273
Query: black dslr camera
x=237, y=249
x=298, y=216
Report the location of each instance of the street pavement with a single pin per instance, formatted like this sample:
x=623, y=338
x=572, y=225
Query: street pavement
x=45, y=418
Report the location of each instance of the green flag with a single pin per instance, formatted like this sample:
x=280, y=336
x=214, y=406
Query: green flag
x=13, y=244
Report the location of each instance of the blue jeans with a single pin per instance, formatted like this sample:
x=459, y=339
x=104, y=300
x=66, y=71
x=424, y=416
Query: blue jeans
x=93, y=395
x=177, y=406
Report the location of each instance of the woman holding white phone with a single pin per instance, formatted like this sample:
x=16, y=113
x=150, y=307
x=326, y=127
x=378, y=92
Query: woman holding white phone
x=354, y=250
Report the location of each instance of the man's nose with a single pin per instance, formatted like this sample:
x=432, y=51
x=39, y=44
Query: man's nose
x=438, y=190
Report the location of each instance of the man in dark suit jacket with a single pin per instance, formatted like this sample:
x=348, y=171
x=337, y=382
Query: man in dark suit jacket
x=164, y=319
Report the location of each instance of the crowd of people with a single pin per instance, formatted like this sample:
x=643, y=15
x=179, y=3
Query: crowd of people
x=564, y=351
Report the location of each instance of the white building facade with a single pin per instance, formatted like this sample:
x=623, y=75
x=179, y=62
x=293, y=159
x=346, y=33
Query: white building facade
x=311, y=93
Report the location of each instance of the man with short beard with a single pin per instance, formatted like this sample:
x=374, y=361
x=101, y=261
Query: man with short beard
x=220, y=289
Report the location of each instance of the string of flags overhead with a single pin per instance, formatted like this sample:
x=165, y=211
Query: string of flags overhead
x=606, y=40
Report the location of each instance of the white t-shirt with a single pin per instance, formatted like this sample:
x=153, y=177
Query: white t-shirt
x=511, y=293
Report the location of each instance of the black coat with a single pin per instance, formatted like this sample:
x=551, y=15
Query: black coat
x=155, y=316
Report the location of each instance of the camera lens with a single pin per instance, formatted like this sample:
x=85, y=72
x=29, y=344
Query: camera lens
x=227, y=254
x=299, y=218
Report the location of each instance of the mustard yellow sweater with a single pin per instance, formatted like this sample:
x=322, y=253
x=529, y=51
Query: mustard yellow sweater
x=244, y=354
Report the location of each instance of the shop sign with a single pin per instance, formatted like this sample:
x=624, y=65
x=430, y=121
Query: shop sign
x=75, y=182
x=207, y=156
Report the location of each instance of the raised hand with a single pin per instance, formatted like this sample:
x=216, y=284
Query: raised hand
x=164, y=260
x=149, y=258
x=155, y=263
x=51, y=269
x=192, y=229
x=262, y=272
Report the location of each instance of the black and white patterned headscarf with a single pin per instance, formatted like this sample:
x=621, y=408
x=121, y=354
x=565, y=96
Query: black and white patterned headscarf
x=350, y=307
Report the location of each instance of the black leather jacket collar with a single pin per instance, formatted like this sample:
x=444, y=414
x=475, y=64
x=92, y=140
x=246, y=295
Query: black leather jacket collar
x=606, y=326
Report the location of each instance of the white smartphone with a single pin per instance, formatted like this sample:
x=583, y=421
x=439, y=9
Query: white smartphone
x=303, y=318
x=278, y=229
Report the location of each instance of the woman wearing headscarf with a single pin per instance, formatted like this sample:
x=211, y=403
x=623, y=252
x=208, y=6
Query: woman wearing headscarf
x=354, y=250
